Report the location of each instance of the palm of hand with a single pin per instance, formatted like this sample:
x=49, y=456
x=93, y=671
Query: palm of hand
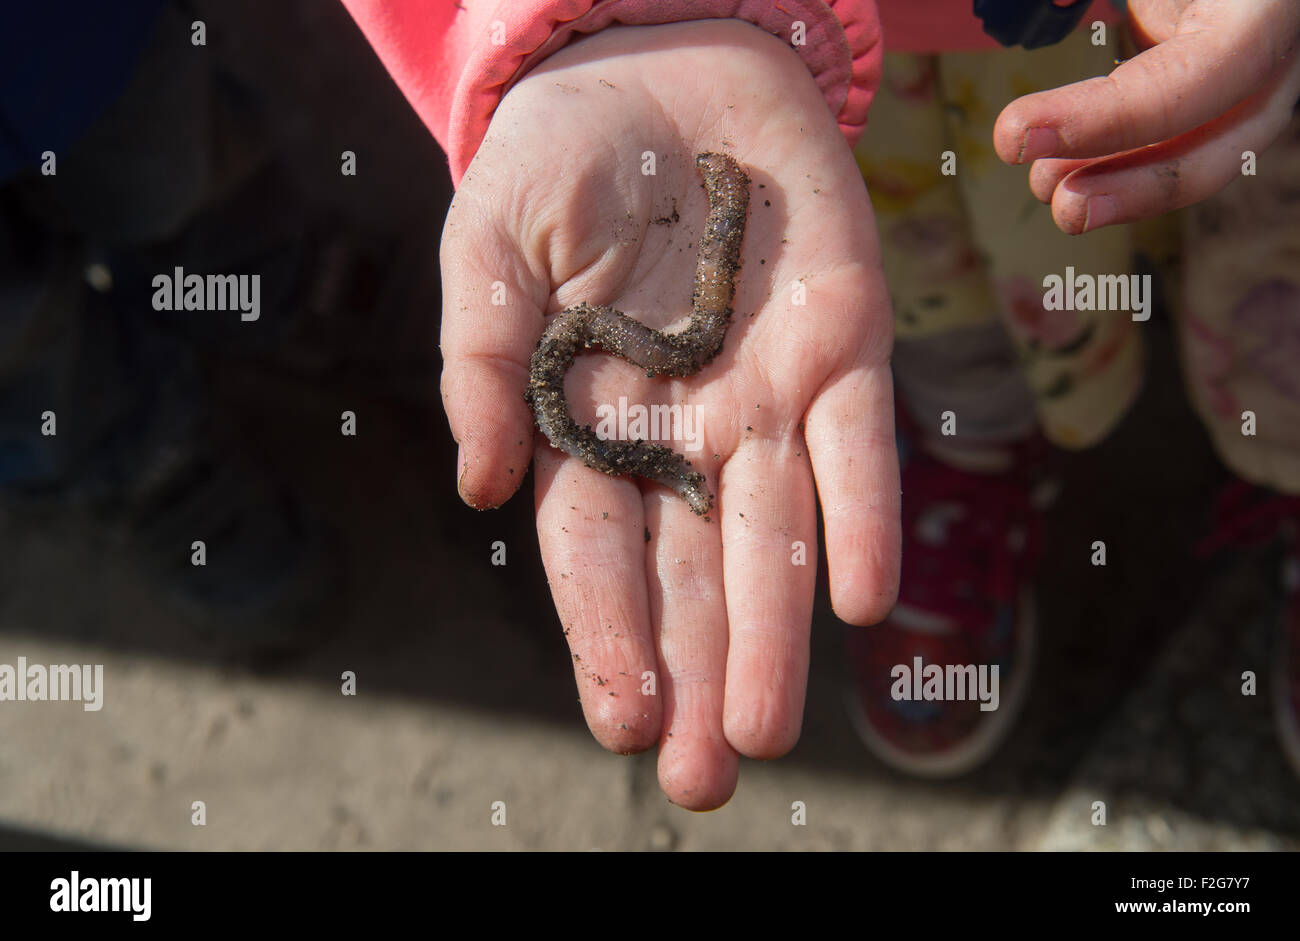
x=688, y=633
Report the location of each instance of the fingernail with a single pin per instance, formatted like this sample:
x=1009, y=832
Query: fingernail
x=461, y=469
x=1038, y=142
x=1100, y=211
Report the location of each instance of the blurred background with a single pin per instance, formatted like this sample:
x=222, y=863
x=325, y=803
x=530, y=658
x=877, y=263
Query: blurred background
x=330, y=553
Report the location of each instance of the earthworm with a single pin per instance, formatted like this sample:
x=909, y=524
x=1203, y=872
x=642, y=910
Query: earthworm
x=585, y=326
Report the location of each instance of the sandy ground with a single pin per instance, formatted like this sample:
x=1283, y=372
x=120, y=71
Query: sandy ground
x=465, y=698
x=465, y=692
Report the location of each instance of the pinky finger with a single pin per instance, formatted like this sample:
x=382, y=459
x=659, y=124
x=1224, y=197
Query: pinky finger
x=850, y=435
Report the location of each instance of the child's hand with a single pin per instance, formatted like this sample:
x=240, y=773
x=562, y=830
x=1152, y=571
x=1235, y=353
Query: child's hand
x=1221, y=77
x=556, y=209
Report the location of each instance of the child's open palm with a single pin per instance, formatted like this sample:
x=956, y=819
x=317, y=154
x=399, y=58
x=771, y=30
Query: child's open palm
x=560, y=206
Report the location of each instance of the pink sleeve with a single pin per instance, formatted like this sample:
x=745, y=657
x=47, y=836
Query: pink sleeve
x=443, y=56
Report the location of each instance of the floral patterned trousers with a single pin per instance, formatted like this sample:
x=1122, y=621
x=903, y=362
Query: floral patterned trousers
x=966, y=252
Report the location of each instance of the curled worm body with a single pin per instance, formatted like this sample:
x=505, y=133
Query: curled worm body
x=680, y=354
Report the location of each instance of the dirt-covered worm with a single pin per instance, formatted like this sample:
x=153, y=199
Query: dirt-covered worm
x=669, y=354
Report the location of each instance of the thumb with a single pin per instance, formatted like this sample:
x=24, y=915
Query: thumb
x=491, y=319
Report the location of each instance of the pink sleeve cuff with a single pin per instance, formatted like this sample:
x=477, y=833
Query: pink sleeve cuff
x=443, y=56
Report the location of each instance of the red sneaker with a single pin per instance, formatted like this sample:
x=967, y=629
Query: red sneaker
x=970, y=542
